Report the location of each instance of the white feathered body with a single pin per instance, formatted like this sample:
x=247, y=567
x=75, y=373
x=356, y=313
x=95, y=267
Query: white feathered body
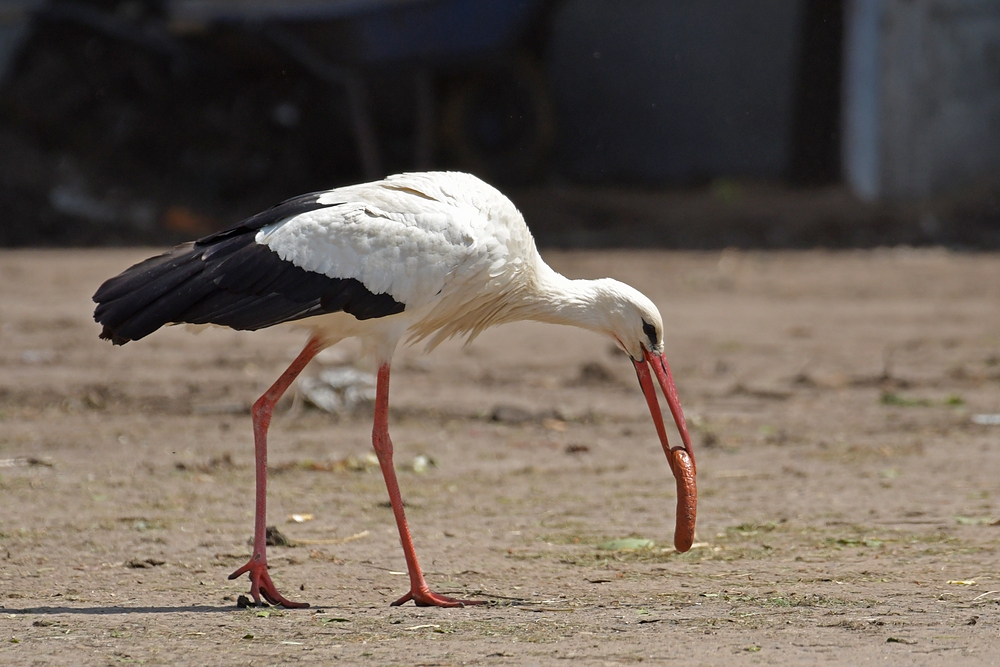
x=452, y=248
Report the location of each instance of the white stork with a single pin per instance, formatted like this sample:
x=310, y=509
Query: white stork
x=423, y=256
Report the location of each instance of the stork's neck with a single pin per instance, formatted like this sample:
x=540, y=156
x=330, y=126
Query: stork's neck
x=557, y=299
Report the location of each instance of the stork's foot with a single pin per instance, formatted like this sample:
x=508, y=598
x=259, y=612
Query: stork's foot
x=261, y=584
x=426, y=598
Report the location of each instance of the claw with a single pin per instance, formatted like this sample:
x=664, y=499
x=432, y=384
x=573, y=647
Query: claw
x=427, y=598
x=261, y=584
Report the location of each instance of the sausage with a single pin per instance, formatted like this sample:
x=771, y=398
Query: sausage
x=687, y=498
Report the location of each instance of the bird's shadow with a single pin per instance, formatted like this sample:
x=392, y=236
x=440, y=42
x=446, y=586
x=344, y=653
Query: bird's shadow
x=109, y=611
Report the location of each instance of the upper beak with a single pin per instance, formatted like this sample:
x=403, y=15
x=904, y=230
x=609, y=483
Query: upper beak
x=683, y=471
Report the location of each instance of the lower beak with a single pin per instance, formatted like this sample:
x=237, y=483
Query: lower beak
x=681, y=459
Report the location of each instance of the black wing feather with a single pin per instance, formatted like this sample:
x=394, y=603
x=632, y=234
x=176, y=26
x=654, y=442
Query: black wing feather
x=229, y=279
x=286, y=209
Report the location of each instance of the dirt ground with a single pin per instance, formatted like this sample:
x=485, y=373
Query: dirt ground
x=848, y=477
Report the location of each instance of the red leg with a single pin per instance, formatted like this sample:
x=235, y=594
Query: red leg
x=419, y=592
x=260, y=581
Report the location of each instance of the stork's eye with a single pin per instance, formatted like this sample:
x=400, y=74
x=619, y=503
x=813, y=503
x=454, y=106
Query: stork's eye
x=650, y=332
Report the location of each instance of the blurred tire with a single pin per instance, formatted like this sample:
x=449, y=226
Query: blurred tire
x=498, y=122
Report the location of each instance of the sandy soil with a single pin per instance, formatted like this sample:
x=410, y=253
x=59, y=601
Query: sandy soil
x=849, y=498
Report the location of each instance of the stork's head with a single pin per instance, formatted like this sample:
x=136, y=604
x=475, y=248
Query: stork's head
x=629, y=318
x=635, y=324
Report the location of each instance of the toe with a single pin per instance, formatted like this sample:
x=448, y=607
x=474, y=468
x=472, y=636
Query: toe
x=427, y=598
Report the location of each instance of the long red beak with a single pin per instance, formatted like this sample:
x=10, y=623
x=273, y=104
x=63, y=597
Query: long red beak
x=681, y=459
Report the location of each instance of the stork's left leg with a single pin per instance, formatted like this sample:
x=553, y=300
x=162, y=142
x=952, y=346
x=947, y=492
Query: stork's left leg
x=260, y=580
x=419, y=592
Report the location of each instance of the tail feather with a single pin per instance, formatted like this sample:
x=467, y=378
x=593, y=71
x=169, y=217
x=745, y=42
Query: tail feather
x=168, y=306
x=136, y=293
x=143, y=273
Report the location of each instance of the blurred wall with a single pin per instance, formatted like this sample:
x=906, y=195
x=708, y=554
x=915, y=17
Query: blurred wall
x=921, y=96
x=655, y=91
x=14, y=19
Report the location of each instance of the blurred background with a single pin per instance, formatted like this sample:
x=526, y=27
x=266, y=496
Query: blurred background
x=681, y=123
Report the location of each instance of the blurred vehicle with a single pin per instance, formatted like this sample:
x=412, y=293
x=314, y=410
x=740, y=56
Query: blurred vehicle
x=222, y=104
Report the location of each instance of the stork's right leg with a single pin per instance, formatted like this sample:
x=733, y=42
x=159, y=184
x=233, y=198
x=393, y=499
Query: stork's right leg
x=421, y=595
x=260, y=580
